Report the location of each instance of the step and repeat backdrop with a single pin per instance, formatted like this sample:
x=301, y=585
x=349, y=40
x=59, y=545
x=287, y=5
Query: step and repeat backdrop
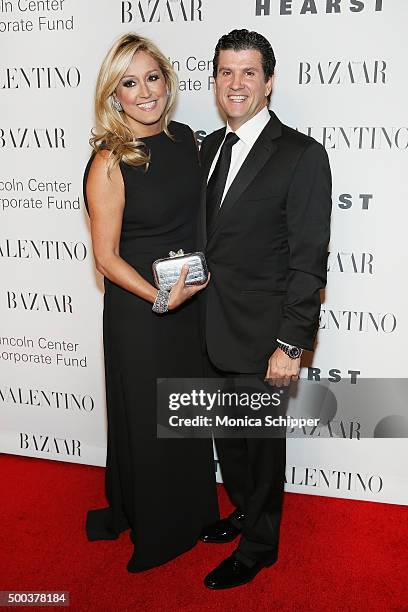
x=340, y=77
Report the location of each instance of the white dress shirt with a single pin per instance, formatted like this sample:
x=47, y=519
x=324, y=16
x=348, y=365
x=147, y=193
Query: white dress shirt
x=248, y=133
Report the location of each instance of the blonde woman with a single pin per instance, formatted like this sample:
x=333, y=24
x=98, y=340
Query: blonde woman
x=141, y=188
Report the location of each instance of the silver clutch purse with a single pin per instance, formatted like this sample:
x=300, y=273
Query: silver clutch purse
x=166, y=271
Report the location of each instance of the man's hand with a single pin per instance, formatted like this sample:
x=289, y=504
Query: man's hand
x=282, y=369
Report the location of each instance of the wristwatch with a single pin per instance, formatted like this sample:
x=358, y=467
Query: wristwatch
x=291, y=351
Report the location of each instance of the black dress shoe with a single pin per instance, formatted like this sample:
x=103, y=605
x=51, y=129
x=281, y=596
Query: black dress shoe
x=232, y=573
x=224, y=530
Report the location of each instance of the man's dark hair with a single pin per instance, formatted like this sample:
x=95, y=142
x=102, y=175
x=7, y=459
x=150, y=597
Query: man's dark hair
x=240, y=40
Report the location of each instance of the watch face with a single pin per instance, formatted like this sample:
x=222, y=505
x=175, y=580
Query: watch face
x=294, y=352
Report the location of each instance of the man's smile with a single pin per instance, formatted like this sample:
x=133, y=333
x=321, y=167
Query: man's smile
x=237, y=99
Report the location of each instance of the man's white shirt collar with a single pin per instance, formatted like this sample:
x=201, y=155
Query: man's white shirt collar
x=250, y=130
x=247, y=134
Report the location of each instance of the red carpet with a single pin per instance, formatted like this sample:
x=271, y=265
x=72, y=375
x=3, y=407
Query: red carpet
x=336, y=555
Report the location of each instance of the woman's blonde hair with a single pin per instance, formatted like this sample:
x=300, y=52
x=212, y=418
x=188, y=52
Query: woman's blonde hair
x=111, y=131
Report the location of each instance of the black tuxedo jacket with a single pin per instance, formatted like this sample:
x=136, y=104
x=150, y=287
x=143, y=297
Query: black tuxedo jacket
x=267, y=248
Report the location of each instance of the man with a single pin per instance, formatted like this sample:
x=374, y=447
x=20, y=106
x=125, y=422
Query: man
x=265, y=225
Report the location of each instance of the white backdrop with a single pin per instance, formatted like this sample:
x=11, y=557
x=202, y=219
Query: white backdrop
x=340, y=76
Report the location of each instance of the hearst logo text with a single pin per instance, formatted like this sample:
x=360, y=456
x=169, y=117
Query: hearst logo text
x=315, y=7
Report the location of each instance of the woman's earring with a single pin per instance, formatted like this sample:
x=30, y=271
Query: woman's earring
x=116, y=104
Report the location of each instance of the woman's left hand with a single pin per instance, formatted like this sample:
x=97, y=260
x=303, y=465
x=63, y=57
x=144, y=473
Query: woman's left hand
x=180, y=292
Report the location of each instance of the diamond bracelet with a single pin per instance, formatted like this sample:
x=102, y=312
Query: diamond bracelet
x=161, y=303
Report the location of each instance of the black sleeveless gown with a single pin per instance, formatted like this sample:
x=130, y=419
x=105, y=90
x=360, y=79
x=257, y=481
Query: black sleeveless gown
x=162, y=489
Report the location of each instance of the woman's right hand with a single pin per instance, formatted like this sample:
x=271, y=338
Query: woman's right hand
x=180, y=292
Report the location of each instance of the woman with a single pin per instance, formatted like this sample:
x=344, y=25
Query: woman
x=141, y=188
